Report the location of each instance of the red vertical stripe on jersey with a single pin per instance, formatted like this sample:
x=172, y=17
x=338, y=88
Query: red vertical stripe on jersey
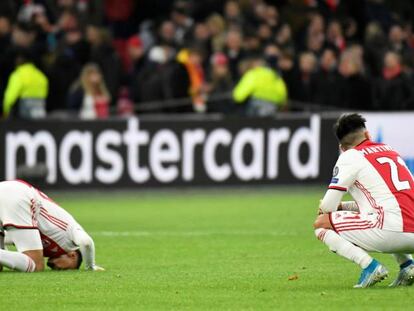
x=373, y=203
x=56, y=221
x=405, y=198
x=50, y=248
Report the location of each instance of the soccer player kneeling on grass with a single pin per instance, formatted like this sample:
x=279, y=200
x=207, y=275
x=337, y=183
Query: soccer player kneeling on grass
x=39, y=228
x=381, y=219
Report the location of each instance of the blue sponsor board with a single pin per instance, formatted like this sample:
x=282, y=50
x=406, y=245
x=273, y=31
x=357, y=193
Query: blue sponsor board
x=410, y=164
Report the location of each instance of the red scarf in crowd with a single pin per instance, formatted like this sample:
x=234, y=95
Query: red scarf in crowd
x=391, y=73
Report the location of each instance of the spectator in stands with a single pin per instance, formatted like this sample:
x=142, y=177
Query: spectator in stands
x=316, y=43
x=261, y=89
x=89, y=96
x=217, y=28
x=395, y=90
x=355, y=87
x=136, y=62
x=251, y=42
x=271, y=16
x=220, y=84
x=192, y=59
x=26, y=91
x=182, y=20
x=374, y=49
x=5, y=32
x=54, y=32
x=167, y=33
x=335, y=35
x=396, y=39
x=23, y=36
x=102, y=53
x=90, y=11
x=233, y=13
x=284, y=38
x=315, y=35
x=351, y=30
x=259, y=11
x=265, y=34
x=398, y=43
x=162, y=78
x=150, y=83
x=286, y=66
x=202, y=37
x=71, y=54
x=328, y=82
x=178, y=81
x=271, y=54
x=304, y=87
x=234, y=51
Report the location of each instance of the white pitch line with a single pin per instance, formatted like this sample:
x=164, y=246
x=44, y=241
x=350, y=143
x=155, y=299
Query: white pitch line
x=190, y=233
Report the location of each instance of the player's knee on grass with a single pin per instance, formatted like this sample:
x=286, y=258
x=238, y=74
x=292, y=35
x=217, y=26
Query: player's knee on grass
x=322, y=222
x=320, y=233
x=37, y=257
x=28, y=242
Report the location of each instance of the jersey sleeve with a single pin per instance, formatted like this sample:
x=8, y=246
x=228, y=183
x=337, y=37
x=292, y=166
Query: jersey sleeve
x=344, y=175
x=345, y=171
x=86, y=247
x=330, y=201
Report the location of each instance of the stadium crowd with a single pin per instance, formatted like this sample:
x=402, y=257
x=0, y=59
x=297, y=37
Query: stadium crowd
x=98, y=58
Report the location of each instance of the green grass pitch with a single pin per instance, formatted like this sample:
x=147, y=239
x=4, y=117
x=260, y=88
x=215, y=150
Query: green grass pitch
x=211, y=250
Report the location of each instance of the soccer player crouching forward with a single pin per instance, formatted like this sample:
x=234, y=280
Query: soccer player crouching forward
x=381, y=219
x=39, y=228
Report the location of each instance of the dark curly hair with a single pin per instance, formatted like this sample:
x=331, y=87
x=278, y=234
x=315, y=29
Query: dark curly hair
x=348, y=124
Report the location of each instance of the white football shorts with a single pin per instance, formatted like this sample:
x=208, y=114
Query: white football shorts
x=360, y=229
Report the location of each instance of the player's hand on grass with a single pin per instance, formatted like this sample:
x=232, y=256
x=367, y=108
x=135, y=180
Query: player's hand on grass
x=96, y=268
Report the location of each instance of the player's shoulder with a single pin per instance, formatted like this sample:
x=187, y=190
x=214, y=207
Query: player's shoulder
x=350, y=156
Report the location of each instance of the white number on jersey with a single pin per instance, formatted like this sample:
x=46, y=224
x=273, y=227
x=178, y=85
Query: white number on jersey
x=398, y=183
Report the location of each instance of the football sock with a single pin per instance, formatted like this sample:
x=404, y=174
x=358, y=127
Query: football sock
x=403, y=259
x=16, y=261
x=344, y=248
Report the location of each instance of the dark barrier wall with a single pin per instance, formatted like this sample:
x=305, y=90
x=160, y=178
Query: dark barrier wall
x=151, y=152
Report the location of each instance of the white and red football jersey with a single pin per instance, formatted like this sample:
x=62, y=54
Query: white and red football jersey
x=24, y=206
x=57, y=228
x=380, y=183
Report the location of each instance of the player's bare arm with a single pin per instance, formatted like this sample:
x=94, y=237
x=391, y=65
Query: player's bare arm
x=37, y=257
